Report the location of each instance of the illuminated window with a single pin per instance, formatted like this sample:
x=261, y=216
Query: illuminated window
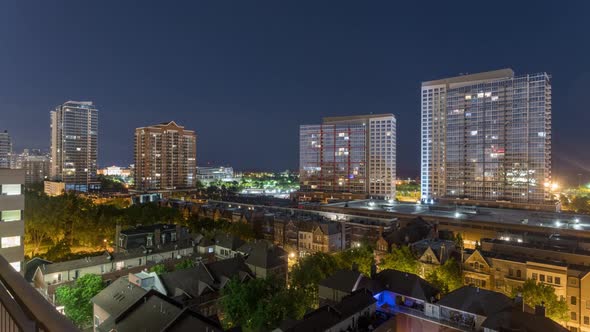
x=11, y=189
x=10, y=241
x=10, y=215
x=467, y=97
x=473, y=132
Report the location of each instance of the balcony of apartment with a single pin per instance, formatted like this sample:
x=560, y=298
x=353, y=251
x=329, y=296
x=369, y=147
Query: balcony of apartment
x=22, y=308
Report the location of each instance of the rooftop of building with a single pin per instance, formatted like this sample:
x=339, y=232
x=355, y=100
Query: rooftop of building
x=117, y=296
x=263, y=254
x=553, y=220
x=476, y=301
x=473, y=78
x=327, y=316
x=333, y=119
x=156, y=312
x=344, y=280
x=518, y=320
x=106, y=258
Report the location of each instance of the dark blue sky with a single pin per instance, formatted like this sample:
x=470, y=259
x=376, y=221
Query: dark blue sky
x=246, y=74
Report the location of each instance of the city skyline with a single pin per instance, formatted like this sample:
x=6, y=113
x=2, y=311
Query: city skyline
x=198, y=73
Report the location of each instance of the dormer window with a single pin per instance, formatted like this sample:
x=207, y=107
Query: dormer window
x=150, y=241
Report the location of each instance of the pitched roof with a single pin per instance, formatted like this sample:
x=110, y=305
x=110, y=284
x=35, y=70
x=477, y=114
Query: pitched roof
x=197, y=280
x=156, y=312
x=517, y=320
x=263, y=254
x=228, y=241
x=31, y=267
x=118, y=296
x=477, y=301
x=403, y=283
x=328, y=316
x=343, y=280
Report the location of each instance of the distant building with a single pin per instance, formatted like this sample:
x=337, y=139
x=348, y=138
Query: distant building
x=206, y=174
x=165, y=157
x=12, y=225
x=74, y=145
x=349, y=156
x=5, y=149
x=487, y=137
x=54, y=188
x=115, y=171
x=36, y=165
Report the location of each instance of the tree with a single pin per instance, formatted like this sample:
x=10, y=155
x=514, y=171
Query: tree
x=534, y=294
x=401, y=259
x=580, y=204
x=76, y=298
x=260, y=304
x=362, y=257
x=446, y=277
x=159, y=269
x=184, y=264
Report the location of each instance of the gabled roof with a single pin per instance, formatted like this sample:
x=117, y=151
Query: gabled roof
x=156, y=312
x=228, y=241
x=263, y=254
x=476, y=301
x=328, y=316
x=199, y=279
x=517, y=320
x=31, y=267
x=403, y=283
x=344, y=280
x=117, y=296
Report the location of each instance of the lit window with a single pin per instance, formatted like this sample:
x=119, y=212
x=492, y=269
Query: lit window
x=488, y=94
x=480, y=95
x=473, y=132
x=494, y=98
x=16, y=266
x=11, y=189
x=10, y=241
x=467, y=97
x=10, y=215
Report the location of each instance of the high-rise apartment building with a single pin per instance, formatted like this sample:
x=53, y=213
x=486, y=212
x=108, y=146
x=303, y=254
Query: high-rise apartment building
x=165, y=157
x=12, y=226
x=349, y=154
x=5, y=149
x=487, y=137
x=35, y=164
x=74, y=145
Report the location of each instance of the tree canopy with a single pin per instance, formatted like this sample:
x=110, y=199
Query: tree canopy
x=446, y=277
x=534, y=294
x=260, y=304
x=76, y=298
x=401, y=259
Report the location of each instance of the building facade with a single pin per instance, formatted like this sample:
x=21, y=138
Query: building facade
x=74, y=145
x=349, y=154
x=5, y=149
x=12, y=225
x=487, y=137
x=207, y=174
x=165, y=157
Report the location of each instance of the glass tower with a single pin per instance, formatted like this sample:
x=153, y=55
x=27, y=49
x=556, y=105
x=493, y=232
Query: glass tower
x=5, y=149
x=74, y=145
x=487, y=136
x=351, y=154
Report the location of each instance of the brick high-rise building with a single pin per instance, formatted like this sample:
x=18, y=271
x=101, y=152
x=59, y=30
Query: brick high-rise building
x=165, y=157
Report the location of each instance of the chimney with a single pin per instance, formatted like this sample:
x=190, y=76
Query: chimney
x=117, y=236
x=157, y=237
x=178, y=233
x=540, y=310
x=443, y=250
x=518, y=302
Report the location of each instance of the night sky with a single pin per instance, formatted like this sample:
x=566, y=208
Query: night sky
x=245, y=74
